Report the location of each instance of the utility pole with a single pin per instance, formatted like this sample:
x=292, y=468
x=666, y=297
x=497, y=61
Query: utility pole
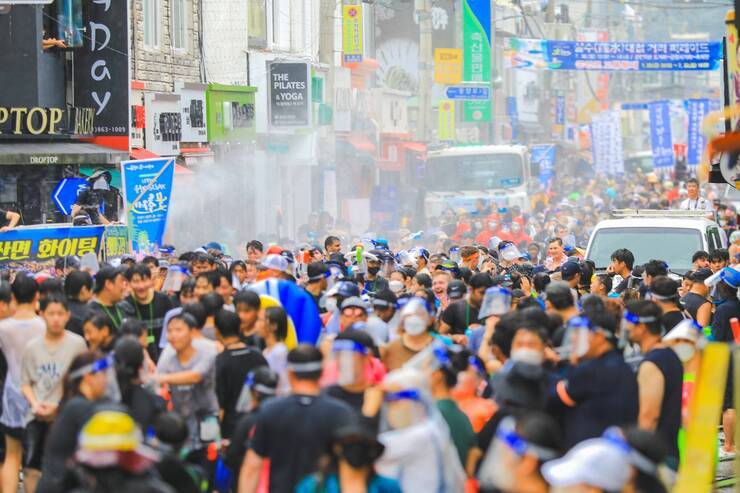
x=327, y=58
x=424, y=12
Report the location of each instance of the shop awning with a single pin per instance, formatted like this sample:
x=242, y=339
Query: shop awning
x=147, y=154
x=58, y=153
x=361, y=143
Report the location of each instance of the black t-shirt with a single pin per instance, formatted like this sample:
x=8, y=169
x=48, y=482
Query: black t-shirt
x=241, y=439
x=294, y=432
x=232, y=367
x=61, y=442
x=671, y=319
x=3, y=218
x=316, y=299
x=670, y=409
x=253, y=340
x=459, y=316
x=153, y=315
x=354, y=399
x=116, y=313
x=143, y=404
x=78, y=311
x=692, y=302
x=602, y=393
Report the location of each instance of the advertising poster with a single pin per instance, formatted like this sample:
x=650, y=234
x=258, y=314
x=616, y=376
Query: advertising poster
x=147, y=189
x=477, y=55
x=447, y=66
x=352, y=33
x=290, y=95
x=660, y=134
x=446, y=130
x=42, y=245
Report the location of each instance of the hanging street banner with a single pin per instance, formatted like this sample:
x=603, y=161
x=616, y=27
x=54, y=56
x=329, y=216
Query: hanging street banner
x=660, y=134
x=606, y=143
x=352, y=33
x=477, y=55
x=614, y=56
x=147, y=189
x=544, y=156
x=697, y=110
x=446, y=129
x=290, y=96
x=513, y=113
x=26, y=245
x=448, y=66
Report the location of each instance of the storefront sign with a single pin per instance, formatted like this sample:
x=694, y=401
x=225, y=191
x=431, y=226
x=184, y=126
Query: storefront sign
x=352, y=33
x=230, y=113
x=116, y=242
x=468, y=93
x=46, y=121
x=477, y=55
x=660, y=134
x=446, y=129
x=290, y=102
x=697, y=110
x=101, y=67
x=147, y=188
x=46, y=244
x=163, y=123
x=193, y=111
x=615, y=56
x=606, y=141
x=448, y=66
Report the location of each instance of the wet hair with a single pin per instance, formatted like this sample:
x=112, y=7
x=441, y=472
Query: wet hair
x=185, y=318
x=149, y=260
x=556, y=239
x=212, y=303
x=6, y=296
x=247, y=297
x=605, y=281
x=720, y=255
x=188, y=286
x=423, y=280
x=644, y=308
x=625, y=256
x=24, y=288
x=51, y=287
x=141, y=270
x=133, y=327
x=540, y=281
x=197, y=312
x=655, y=268
x=540, y=429
x=101, y=321
x=212, y=277
x=75, y=281
x=275, y=315
x=106, y=274
x=699, y=255
x=305, y=353
x=54, y=299
x=171, y=430
x=71, y=386
x=330, y=240
x=227, y=323
x=263, y=375
x=256, y=245
x=505, y=330
x=665, y=287
x=481, y=280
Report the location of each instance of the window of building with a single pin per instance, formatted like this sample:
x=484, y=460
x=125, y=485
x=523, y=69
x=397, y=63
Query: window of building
x=179, y=24
x=257, y=24
x=151, y=23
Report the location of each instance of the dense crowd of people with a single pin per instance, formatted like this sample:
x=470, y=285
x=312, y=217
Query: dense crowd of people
x=483, y=355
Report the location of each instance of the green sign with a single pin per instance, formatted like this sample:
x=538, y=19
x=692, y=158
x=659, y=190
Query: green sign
x=477, y=55
x=230, y=113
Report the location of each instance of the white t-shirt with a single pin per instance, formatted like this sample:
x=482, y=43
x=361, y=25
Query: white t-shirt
x=700, y=204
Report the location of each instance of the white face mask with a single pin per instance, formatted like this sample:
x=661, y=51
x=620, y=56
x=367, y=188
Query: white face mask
x=527, y=355
x=395, y=286
x=414, y=325
x=685, y=351
x=331, y=304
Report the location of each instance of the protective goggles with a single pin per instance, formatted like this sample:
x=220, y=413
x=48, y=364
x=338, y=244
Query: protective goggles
x=636, y=319
x=345, y=345
x=94, y=367
x=507, y=434
x=403, y=395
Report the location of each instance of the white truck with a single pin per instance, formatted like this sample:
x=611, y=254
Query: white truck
x=671, y=236
x=458, y=176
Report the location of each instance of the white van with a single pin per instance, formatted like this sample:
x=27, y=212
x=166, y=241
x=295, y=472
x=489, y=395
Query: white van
x=457, y=177
x=671, y=236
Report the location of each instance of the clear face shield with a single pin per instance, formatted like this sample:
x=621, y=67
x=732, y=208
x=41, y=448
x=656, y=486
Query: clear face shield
x=246, y=401
x=406, y=258
x=350, y=360
x=505, y=452
x=510, y=253
x=176, y=275
x=430, y=359
x=415, y=317
x=576, y=340
x=455, y=255
x=107, y=367
x=496, y=301
x=402, y=409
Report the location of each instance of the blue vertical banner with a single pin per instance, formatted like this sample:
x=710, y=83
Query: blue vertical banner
x=660, y=134
x=147, y=189
x=544, y=156
x=697, y=110
x=513, y=113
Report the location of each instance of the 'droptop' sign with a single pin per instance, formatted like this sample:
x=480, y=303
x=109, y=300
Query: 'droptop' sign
x=290, y=97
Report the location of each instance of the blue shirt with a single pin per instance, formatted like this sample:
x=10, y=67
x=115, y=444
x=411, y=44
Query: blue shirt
x=313, y=484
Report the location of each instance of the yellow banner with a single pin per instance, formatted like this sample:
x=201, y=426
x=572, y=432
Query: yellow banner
x=697, y=468
x=352, y=33
x=448, y=66
x=446, y=130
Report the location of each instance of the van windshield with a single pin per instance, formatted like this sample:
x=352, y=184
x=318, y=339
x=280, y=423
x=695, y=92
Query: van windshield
x=675, y=246
x=474, y=172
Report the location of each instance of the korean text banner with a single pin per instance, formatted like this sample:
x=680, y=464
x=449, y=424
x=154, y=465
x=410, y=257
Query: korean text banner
x=697, y=110
x=660, y=134
x=606, y=143
x=477, y=55
x=614, y=56
x=352, y=33
x=147, y=188
x=45, y=244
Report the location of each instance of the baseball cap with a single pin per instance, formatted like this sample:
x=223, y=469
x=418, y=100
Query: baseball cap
x=598, y=462
x=275, y=262
x=354, y=302
x=317, y=271
x=569, y=270
x=731, y=277
x=700, y=275
x=213, y=246
x=385, y=298
x=456, y=289
x=274, y=250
